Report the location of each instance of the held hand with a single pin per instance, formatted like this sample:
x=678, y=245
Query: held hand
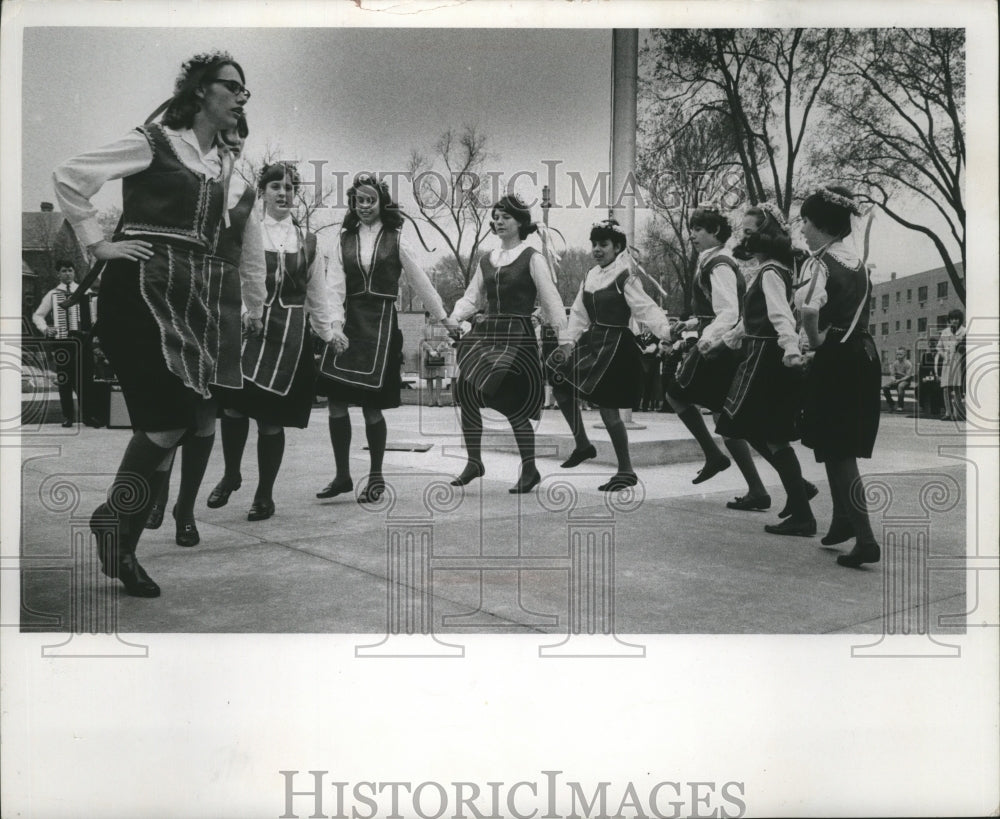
x=252, y=326
x=135, y=250
x=339, y=341
x=564, y=351
x=50, y=332
x=450, y=325
x=793, y=361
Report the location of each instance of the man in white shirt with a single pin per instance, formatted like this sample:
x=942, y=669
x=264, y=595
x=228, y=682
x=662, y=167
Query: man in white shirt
x=68, y=331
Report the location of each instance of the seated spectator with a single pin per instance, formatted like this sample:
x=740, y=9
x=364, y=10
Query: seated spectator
x=901, y=371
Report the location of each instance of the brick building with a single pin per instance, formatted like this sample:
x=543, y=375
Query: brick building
x=46, y=237
x=908, y=310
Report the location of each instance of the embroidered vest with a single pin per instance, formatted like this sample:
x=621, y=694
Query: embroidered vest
x=377, y=276
x=701, y=293
x=510, y=290
x=846, y=289
x=607, y=306
x=755, y=319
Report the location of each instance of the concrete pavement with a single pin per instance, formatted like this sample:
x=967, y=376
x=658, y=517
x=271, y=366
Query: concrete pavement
x=669, y=559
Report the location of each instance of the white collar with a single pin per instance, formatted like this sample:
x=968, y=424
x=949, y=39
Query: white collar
x=512, y=252
x=188, y=135
x=285, y=223
x=705, y=255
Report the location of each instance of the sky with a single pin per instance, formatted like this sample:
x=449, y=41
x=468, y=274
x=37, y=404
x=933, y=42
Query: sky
x=363, y=99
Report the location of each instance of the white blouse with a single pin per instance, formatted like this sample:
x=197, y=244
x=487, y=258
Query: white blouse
x=253, y=265
x=644, y=309
x=548, y=296
x=725, y=297
x=779, y=313
x=281, y=236
x=414, y=273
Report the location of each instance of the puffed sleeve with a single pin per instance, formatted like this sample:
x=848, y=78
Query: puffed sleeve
x=318, y=303
x=578, y=321
x=470, y=301
x=779, y=312
x=78, y=179
x=253, y=267
x=725, y=302
x=548, y=296
x=814, y=296
x=420, y=282
x=644, y=309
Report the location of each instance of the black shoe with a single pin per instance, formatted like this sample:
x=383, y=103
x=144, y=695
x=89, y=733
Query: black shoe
x=337, y=486
x=841, y=529
x=373, y=490
x=811, y=492
x=68, y=423
x=578, y=456
x=619, y=481
x=137, y=582
x=806, y=527
x=473, y=470
x=861, y=553
x=219, y=496
x=751, y=503
x=261, y=510
x=524, y=486
x=106, y=527
x=155, y=519
x=712, y=468
x=186, y=533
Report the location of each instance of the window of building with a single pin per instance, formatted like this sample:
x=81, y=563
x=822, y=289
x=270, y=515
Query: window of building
x=899, y=295
x=871, y=304
x=909, y=325
x=897, y=326
x=922, y=293
x=885, y=328
x=921, y=325
x=885, y=301
x=909, y=295
x=871, y=329
x=942, y=290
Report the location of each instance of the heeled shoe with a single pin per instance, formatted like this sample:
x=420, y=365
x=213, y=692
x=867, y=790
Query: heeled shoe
x=261, y=510
x=861, y=553
x=841, y=529
x=805, y=527
x=619, y=481
x=185, y=533
x=711, y=469
x=373, y=490
x=523, y=486
x=473, y=470
x=578, y=456
x=135, y=579
x=751, y=503
x=219, y=496
x=811, y=492
x=338, y=486
x=155, y=519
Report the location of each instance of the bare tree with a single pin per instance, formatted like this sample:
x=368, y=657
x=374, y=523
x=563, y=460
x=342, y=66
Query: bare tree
x=898, y=132
x=451, y=201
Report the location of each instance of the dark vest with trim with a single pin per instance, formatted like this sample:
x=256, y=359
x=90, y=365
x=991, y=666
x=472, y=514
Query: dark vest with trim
x=755, y=320
x=510, y=290
x=846, y=289
x=168, y=200
x=608, y=306
x=377, y=276
x=701, y=293
x=230, y=246
x=295, y=281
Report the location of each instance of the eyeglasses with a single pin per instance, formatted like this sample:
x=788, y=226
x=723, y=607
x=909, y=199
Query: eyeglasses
x=233, y=87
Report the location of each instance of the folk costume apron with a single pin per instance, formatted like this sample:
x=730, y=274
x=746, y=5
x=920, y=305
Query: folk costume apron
x=157, y=323
x=498, y=362
x=363, y=369
x=699, y=380
x=605, y=366
x=270, y=361
x=224, y=295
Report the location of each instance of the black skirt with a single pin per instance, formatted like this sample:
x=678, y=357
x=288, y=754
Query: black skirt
x=157, y=399
x=841, y=404
x=499, y=368
x=704, y=381
x=385, y=397
x=289, y=410
x=764, y=399
x=605, y=368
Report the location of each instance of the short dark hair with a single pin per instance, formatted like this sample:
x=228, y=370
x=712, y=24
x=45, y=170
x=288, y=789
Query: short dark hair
x=65, y=263
x=195, y=74
x=514, y=206
x=388, y=210
x=609, y=230
x=276, y=171
x=832, y=217
x=956, y=313
x=712, y=221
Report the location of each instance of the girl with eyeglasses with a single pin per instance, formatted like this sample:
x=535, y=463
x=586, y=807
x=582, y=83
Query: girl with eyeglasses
x=157, y=324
